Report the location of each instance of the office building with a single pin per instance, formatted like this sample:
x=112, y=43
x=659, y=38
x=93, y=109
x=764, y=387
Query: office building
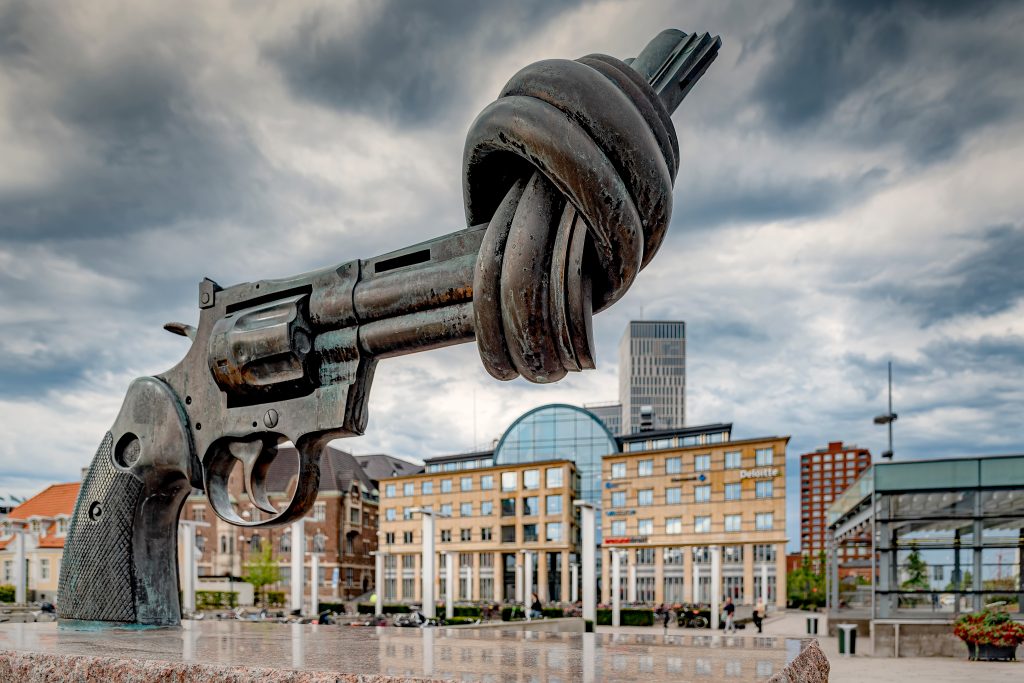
x=608, y=413
x=652, y=374
x=824, y=474
x=489, y=521
x=683, y=495
x=669, y=507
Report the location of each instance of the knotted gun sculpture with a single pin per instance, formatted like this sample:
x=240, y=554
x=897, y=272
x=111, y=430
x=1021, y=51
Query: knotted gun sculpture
x=567, y=180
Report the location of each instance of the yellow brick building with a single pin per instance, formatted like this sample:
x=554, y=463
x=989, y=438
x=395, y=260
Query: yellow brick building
x=489, y=520
x=667, y=508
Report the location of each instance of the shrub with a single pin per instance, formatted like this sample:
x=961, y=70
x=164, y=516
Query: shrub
x=455, y=621
x=367, y=608
x=216, y=599
x=627, y=617
x=467, y=611
x=275, y=598
x=337, y=607
x=553, y=612
x=512, y=613
x=6, y=593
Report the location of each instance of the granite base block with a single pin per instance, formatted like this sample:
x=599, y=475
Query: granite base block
x=240, y=652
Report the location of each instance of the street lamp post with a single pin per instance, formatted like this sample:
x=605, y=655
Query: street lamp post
x=888, y=418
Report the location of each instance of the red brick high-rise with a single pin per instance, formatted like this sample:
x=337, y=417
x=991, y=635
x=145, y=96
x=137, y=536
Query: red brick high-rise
x=824, y=474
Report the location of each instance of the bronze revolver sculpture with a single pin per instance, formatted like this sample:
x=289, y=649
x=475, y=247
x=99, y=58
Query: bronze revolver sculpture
x=567, y=180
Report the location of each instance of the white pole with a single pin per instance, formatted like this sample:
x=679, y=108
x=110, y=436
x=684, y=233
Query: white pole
x=764, y=586
x=528, y=582
x=589, y=541
x=574, y=579
x=378, y=570
x=314, y=584
x=449, y=585
x=616, y=586
x=519, y=582
x=427, y=565
x=716, y=585
x=20, y=597
x=188, y=584
x=469, y=585
x=696, y=584
x=298, y=568
x=631, y=574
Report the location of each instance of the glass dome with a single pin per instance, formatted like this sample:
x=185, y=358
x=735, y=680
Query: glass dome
x=560, y=431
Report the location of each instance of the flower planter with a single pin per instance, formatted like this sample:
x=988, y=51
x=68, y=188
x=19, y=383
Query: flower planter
x=990, y=636
x=997, y=653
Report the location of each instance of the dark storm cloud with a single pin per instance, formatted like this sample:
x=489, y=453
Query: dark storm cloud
x=406, y=60
x=711, y=202
x=986, y=280
x=135, y=143
x=917, y=73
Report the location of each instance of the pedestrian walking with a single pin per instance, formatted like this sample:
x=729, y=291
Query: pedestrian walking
x=760, y=612
x=730, y=616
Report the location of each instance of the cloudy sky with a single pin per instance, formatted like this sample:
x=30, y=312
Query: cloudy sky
x=850, y=193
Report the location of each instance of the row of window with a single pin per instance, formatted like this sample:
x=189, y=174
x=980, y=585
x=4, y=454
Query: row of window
x=530, y=507
x=459, y=465
x=43, y=570
x=701, y=494
x=829, y=457
x=552, y=533
x=763, y=521
x=553, y=479
x=763, y=457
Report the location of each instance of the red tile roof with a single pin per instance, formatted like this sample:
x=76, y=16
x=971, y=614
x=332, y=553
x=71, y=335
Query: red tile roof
x=51, y=541
x=4, y=544
x=58, y=499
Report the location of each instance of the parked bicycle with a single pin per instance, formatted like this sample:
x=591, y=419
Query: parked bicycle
x=691, y=617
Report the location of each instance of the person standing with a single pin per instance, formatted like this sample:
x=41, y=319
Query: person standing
x=760, y=612
x=730, y=615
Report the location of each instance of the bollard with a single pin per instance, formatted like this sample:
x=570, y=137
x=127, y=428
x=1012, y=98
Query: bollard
x=847, y=639
x=812, y=626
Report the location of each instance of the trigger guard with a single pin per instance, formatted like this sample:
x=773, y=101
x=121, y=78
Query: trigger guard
x=217, y=472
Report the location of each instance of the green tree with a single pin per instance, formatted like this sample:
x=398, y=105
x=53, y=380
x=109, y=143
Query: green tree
x=262, y=571
x=805, y=586
x=917, y=571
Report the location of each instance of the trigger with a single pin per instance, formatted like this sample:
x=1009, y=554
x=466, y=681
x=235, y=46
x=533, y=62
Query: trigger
x=253, y=475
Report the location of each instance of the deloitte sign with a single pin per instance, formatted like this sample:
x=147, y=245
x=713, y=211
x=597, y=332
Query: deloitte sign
x=760, y=473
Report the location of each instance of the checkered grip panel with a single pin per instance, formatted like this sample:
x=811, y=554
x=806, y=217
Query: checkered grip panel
x=97, y=574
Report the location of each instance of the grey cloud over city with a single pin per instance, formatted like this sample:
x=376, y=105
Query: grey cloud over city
x=849, y=193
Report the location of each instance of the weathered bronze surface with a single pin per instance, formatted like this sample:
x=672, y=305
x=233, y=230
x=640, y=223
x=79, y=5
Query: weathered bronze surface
x=567, y=181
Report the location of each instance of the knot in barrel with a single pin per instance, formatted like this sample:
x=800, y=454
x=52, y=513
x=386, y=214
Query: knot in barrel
x=572, y=169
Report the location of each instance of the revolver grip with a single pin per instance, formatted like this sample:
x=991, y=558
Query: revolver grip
x=97, y=575
x=120, y=553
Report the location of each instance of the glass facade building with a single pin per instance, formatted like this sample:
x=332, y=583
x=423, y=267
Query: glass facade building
x=948, y=535
x=560, y=431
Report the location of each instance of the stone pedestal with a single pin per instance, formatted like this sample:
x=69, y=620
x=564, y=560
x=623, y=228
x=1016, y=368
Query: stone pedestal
x=240, y=651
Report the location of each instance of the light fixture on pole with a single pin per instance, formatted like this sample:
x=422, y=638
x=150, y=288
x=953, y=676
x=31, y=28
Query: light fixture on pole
x=888, y=418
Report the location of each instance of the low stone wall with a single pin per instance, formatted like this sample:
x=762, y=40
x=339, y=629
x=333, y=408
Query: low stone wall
x=918, y=640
